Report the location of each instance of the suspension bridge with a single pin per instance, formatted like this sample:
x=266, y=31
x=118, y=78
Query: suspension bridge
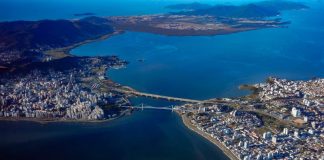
x=142, y=107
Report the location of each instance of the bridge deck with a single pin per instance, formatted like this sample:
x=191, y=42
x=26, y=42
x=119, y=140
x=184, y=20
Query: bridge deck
x=150, y=107
x=136, y=93
x=170, y=108
x=169, y=98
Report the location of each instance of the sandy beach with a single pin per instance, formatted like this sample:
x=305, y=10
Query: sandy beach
x=188, y=124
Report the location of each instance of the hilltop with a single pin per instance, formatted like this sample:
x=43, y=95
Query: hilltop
x=26, y=40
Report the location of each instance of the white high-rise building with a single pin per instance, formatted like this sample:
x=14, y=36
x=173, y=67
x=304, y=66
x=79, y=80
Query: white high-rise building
x=266, y=135
x=248, y=157
x=305, y=119
x=310, y=131
x=296, y=133
x=270, y=155
x=314, y=125
x=246, y=144
x=259, y=157
x=274, y=139
x=295, y=112
x=286, y=131
x=240, y=144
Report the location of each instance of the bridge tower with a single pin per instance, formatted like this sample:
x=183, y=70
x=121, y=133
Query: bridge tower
x=142, y=106
x=172, y=107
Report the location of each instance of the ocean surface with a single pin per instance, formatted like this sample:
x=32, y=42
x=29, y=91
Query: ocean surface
x=197, y=67
x=202, y=67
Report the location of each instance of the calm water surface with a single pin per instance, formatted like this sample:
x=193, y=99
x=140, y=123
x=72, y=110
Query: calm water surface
x=191, y=67
x=202, y=67
x=144, y=135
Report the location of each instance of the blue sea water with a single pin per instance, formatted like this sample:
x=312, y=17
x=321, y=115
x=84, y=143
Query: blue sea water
x=202, y=67
x=196, y=67
x=145, y=135
x=11, y=10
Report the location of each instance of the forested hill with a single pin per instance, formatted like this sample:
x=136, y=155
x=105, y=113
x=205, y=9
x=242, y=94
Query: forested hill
x=20, y=40
x=252, y=10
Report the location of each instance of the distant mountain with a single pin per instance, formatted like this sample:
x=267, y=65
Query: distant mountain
x=190, y=6
x=20, y=39
x=50, y=33
x=253, y=10
x=84, y=14
x=281, y=5
x=246, y=11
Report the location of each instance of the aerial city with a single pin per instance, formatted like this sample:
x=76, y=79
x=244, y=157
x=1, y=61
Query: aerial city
x=162, y=79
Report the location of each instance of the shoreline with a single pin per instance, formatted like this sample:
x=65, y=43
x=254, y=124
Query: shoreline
x=59, y=53
x=49, y=120
x=218, y=144
x=67, y=52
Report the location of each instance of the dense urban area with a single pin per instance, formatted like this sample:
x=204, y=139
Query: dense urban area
x=282, y=120
x=71, y=94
